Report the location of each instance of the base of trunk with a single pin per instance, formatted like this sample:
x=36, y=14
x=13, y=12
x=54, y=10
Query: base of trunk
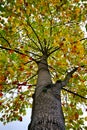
x=46, y=126
x=47, y=113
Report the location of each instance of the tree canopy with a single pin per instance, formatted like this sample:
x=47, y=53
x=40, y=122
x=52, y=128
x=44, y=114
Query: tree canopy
x=30, y=28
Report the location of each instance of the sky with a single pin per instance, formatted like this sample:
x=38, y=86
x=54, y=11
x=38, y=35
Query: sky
x=17, y=125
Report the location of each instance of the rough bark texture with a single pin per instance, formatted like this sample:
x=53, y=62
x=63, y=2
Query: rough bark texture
x=47, y=111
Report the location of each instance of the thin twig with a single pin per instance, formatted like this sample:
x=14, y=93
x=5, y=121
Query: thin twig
x=80, y=40
x=74, y=93
x=17, y=51
x=35, y=34
x=5, y=40
x=32, y=40
x=31, y=77
x=55, y=49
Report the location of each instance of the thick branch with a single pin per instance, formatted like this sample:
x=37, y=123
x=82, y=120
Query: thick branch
x=74, y=93
x=69, y=74
x=68, y=77
x=52, y=85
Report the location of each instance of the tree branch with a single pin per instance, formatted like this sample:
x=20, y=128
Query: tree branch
x=32, y=53
x=17, y=51
x=35, y=34
x=55, y=49
x=68, y=76
x=31, y=77
x=5, y=40
x=32, y=40
x=74, y=93
x=80, y=40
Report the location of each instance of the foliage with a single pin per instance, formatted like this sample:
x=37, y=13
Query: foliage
x=27, y=27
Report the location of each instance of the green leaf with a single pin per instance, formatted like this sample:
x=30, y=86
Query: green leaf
x=86, y=27
x=2, y=8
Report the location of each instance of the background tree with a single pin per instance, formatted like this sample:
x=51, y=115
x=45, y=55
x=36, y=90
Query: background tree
x=38, y=35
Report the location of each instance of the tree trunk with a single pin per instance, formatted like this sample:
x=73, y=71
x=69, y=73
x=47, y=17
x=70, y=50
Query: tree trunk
x=47, y=111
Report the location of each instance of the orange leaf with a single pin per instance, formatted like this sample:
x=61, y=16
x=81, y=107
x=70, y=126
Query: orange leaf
x=0, y=103
x=1, y=87
x=76, y=116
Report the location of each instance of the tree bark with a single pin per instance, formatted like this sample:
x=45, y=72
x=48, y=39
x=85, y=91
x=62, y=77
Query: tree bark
x=47, y=111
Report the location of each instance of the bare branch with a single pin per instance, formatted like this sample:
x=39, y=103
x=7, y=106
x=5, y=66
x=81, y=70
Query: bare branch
x=35, y=34
x=68, y=77
x=83, y=39
x=69, y=74
x=74, y=93
x=80, y=40
x=32, y=40
x=55, y=49
x=5, y=40
x=15, y=50
x=51, y=28
x=31, y=77
x=18, y=51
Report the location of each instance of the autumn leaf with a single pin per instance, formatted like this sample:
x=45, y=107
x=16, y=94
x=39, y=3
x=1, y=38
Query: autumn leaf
x=85, y=118
x=29, y=30
x=1, y=94
x=1, y=87
x=76, y=116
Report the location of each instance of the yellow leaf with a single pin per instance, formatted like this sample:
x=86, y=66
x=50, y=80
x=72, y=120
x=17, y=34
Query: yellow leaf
x=2, y=79
x=86, y=118
x=77, y=10
x=11, y=70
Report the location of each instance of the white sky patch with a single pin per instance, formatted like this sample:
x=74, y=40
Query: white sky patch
x=17, y=125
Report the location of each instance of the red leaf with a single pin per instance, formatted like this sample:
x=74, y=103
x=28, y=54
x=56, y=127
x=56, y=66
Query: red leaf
x=21, y=69
x=20, y=118
x=30, y=58
x=29, y=86
x=21, y=97
x=11, y=51
x=31, y=66
x=15, y=82
x=0, y=103
x=24, y=83
x=1, y=94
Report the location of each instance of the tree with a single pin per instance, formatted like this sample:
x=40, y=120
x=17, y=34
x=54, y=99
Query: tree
x=43, y=55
